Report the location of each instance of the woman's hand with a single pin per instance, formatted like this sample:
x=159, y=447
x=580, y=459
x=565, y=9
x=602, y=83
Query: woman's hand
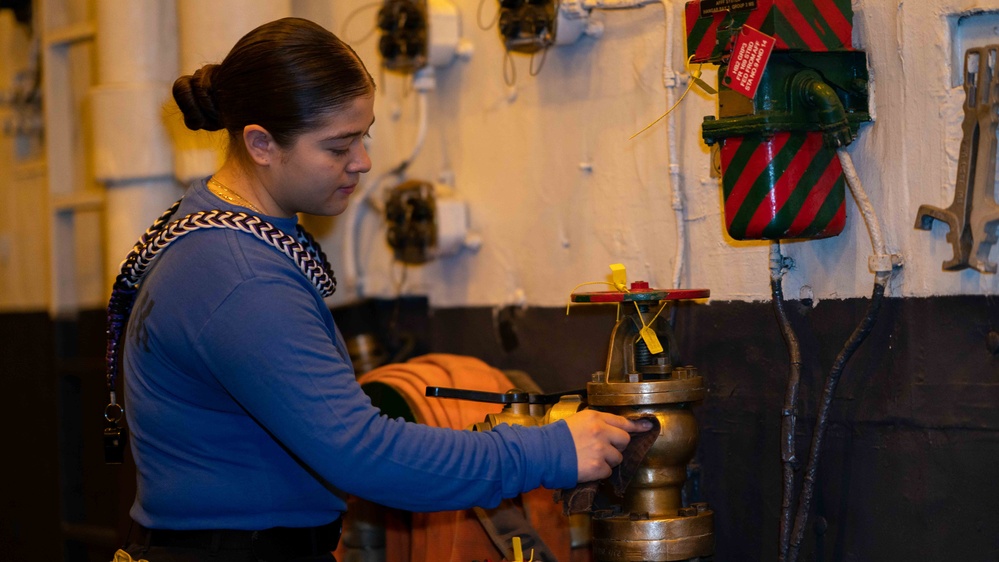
x=599, y=438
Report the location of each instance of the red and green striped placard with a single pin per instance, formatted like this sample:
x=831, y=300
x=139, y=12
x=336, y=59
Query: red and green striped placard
x=785, y=186
x=802, y=25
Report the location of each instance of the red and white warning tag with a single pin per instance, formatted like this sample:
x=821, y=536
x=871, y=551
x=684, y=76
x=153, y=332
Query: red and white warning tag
x=749, y=58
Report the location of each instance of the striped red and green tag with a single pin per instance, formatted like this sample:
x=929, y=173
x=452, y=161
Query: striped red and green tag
x=800, y=25
x=785, y=186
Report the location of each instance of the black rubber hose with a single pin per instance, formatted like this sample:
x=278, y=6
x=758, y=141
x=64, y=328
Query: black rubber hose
x=822, y=420
x=788, y=414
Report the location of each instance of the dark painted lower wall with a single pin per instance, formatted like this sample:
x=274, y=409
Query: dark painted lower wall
x=29, y=494
x=58, y=500
x=910, y=468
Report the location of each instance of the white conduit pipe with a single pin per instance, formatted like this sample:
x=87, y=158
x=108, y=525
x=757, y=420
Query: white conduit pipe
x=422, y=103
x=424, y=82
x=881, y=260
x=670, y=83
x=351, y=265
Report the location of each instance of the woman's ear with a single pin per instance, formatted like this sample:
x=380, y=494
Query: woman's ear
x=260, y=145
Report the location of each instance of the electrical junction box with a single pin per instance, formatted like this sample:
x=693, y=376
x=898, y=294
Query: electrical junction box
x=403, y=43
x=814, y=26
x=417, y=33
x=444, y=42
x=527, y=26
x=426, y=221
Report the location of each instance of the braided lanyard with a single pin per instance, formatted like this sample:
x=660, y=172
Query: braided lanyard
x=303, y=250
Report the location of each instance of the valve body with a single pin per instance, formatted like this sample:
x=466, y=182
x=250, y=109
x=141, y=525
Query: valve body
x=652, y=524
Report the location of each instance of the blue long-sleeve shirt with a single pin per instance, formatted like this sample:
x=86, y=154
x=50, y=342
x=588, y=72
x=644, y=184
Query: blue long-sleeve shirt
x=244, y=412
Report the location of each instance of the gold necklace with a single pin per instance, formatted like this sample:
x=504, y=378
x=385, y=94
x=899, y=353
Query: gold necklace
x=229, y=195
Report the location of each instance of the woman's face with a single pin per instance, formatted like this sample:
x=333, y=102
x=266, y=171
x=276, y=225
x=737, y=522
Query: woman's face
x=317, y=174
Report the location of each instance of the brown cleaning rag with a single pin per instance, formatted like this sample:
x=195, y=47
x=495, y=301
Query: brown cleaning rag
x=584, y=497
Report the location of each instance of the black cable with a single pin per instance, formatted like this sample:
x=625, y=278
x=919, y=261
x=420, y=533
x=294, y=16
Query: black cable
x=822, y=419
x=350, y=18
x=789, y=412
x=509, y=78
x=544, y=55
x=478, y=17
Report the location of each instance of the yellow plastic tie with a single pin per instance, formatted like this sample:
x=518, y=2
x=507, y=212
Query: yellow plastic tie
x=619, y=281
x=695, y=79
x=648, y=334
x=619, y=275
x=122, y=556
x=661, y=308
x=518, y=552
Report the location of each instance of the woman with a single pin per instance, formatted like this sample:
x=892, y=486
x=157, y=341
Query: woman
x=247, y=424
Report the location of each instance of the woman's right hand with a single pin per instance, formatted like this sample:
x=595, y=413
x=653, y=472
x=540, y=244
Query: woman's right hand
x=600, y=438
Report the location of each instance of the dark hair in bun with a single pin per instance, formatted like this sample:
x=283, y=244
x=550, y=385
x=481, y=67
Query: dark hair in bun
x=285, y=76
x=194, y=96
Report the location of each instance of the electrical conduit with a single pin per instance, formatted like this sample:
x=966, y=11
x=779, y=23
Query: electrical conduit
x=882, y=263
x=789, y=412
x=423, y=83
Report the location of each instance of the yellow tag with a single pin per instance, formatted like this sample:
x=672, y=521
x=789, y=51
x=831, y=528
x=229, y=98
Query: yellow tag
x=619, y=276
x=651, y=340
x=704, y=86
x=518, y=552
x=695, y=77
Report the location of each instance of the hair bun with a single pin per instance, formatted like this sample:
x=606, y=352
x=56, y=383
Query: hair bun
x=195, y=98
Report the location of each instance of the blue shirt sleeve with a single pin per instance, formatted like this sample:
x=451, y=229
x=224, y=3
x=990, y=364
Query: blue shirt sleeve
x=273, y=348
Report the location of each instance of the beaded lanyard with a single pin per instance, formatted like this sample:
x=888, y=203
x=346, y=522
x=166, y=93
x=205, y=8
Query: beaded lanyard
x=303, y=250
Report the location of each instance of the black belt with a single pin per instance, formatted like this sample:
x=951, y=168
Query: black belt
x=277, y=543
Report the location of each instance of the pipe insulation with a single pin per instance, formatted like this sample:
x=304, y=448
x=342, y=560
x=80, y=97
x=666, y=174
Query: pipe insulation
x=136, y=61
x=881, y=262
x=207, y=31
x=130, y=140
x=136, y=41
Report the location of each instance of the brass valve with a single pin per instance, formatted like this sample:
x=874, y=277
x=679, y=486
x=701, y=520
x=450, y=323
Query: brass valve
x=650, y=522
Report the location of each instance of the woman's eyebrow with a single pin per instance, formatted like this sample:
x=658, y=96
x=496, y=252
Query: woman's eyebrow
x=350, y=134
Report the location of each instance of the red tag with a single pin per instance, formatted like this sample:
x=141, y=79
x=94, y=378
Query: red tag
x=749, y=57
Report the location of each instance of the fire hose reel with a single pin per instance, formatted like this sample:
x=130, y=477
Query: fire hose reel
x=649, y=521
x=808, y=96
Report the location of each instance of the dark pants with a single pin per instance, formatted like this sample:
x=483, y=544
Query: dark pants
x=271, y=545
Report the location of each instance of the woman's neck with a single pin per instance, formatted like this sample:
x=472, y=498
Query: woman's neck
x=239, y=187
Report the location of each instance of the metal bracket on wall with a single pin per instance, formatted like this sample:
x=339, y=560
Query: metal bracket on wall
x=973, y=216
